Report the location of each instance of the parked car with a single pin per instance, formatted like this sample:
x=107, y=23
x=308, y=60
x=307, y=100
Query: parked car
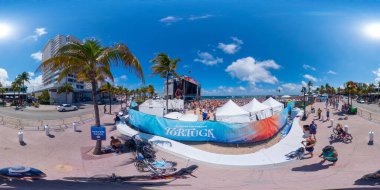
x=86, y=99
x=66, y=107
x=360, y=101
x=101, y=102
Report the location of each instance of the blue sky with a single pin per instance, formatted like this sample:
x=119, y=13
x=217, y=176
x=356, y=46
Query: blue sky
x=230, y=47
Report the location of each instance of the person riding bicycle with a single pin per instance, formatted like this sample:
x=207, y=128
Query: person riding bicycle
x=340, y=130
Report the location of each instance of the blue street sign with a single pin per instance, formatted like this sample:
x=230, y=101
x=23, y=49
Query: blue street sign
x=98, y=133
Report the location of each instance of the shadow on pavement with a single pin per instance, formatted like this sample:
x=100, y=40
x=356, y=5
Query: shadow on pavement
x=23, y=143
x=311, y=168
x=64, y=185
x=372, y=182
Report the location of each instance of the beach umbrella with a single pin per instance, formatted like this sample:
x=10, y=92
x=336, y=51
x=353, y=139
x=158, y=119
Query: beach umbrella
x=21, y=172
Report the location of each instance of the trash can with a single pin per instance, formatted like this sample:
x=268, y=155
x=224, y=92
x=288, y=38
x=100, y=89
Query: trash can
x=20, y=136
x=370, y=136
x=353, y=110
x=345, y=128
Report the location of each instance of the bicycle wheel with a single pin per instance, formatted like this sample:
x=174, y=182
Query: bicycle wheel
x=347, y=138
x=140, y=166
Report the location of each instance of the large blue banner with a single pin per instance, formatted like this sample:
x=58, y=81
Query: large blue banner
x=209, y=130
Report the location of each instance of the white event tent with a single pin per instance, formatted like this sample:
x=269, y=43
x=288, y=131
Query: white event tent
x=276, y=106
x=189, y=117
x=257, y=110
x=173, y=115
x=181, y=117
x=232, y=113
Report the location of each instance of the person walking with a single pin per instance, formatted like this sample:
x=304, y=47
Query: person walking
x=328, y=115
x=337, y=104
x=309, y=144
x=105, y=108
x=319, y=113
x=313, y=129
x=329, y=154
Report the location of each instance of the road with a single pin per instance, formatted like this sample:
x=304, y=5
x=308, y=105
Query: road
x=375, y=108
x=49, y=114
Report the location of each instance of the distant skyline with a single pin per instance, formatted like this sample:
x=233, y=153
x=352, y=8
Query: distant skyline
x=230, y=47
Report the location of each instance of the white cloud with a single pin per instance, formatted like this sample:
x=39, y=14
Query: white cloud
x=331, y=72
x=377, y=73
x=232, y=47
x=208, y=59
x=252, y=71
x=36, y=56
x=34, y=83
x=119, y=79
x=291, y=86
x=4, y=77
x=31, y=74
x=304, y=84
x=309, y=77
x=308, y=67
x=38, y=32
x=192, y=18
x=239, y=90
x=124, y=77
x=170, y=19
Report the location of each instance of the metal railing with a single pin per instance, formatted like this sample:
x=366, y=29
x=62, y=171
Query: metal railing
x=375, y=117
x=38, y=125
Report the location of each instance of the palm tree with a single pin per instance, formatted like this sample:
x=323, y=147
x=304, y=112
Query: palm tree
x=339, y=90
x=18, y=82
x=350, y=87
x=165, y=67
x=2, y=91
x=16, y=85
x=66, y=88
x=120, y=92
x=24, y=77
x=92, y=63
x=322, y=89
x=151, y=90
x=144, y=90
x=309, y=85
x=108, y=88
x=126, y=93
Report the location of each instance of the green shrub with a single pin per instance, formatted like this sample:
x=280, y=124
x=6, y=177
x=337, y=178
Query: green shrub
x=44, y=98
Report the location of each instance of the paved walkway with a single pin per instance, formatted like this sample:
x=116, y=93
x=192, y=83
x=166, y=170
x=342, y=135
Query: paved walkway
x=62, y=156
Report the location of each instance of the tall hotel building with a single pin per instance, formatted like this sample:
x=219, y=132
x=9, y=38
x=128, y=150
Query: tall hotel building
x=50, y=79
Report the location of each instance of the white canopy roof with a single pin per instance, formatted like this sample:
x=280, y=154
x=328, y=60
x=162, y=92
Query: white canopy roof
x=189, y=117
x=285, y=96
x=272, y=103
x=173, y=115
x=152, y=104
x=230, y=109
x=255, y=106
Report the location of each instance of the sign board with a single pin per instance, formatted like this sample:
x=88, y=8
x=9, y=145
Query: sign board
x=98, y=133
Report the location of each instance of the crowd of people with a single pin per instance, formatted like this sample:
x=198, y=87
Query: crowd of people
x=329, y=153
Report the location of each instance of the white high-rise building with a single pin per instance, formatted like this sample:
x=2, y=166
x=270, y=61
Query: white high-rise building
x=50, y=79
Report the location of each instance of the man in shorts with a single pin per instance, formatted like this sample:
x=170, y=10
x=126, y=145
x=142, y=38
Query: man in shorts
x=313, y=129
x=309, y=144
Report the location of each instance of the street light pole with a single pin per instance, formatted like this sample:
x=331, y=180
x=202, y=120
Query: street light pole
x=304, y=103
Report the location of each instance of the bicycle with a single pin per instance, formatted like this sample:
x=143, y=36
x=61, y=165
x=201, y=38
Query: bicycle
x=344, y=136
